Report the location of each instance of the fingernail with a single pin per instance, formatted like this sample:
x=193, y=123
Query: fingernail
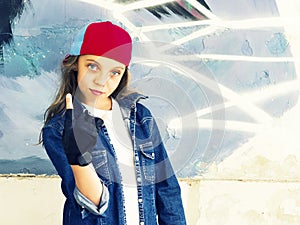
x=68, y=96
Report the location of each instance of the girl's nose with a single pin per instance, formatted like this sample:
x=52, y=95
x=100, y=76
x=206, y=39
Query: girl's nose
x=102, y=78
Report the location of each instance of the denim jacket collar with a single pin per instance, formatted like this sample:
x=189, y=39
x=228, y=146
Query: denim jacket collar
x=128, y=101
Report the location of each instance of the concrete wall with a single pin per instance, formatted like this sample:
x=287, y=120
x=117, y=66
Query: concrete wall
x=38, y=201
x=242, y=202
x=30, y=201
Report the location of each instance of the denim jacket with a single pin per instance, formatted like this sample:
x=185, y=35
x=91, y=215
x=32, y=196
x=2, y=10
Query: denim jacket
x=159, y=195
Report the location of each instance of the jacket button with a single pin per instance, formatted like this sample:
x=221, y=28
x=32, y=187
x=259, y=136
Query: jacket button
x=142, y=223
x=140, y=200
x=139, y=179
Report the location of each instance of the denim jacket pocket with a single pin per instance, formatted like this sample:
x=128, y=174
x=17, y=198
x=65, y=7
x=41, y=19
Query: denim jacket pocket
x=148, y=161
x=100, y=163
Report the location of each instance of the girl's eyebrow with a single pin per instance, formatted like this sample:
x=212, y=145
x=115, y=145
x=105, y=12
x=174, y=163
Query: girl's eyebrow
x=92, y=60
x=120, y=67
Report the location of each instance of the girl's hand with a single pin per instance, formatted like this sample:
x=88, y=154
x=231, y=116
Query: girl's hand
x=79, y=135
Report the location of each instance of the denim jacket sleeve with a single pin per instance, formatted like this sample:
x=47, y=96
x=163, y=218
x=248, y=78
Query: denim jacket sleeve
x=52, y=140
x=85, y=203
x=168, y=193
x=52, y=137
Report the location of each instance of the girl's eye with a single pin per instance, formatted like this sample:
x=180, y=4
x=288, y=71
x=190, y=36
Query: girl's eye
x=93, y=67
x=115, y=73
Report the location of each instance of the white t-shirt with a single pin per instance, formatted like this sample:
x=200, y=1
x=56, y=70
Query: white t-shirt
x=121, y=141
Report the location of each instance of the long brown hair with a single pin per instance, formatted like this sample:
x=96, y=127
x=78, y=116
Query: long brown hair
x=69, y=71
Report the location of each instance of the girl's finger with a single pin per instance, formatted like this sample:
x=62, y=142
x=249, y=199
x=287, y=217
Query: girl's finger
x=69, y=104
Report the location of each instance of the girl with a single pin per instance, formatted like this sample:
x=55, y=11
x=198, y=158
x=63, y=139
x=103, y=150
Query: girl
x=104, y=143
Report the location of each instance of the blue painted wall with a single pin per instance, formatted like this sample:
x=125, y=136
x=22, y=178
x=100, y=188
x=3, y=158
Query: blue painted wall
x=180, y=88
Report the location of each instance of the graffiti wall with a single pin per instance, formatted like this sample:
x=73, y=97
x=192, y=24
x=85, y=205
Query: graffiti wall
x=221, y=78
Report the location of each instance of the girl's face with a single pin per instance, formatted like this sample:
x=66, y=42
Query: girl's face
x=98, y=77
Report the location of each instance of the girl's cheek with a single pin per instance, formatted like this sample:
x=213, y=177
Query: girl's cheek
x=84, y=77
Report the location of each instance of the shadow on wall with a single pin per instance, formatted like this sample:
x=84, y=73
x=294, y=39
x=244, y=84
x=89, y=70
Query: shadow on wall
x=179, y=7
x=9, y=11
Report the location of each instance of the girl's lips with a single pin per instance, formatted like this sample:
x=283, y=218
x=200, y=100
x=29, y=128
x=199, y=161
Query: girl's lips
x=95, y=92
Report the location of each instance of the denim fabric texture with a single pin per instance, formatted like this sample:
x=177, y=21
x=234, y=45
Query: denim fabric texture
x=159, y=194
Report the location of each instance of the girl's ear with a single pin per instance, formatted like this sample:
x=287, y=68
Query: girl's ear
x=74, y=67
x=128, y=75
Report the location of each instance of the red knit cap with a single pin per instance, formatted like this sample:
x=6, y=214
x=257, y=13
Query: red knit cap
x=103, y=39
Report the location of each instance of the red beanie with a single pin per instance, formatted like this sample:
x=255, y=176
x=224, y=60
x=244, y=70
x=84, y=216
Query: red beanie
x=103, y=39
